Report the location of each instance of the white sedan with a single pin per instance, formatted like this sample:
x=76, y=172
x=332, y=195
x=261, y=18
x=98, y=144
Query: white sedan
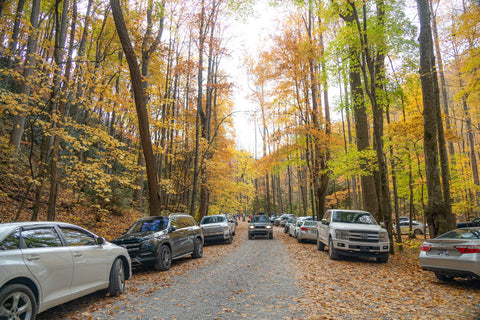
x=44, y=264
x=453, y=254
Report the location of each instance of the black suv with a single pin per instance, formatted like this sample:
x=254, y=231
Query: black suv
x=158, y=240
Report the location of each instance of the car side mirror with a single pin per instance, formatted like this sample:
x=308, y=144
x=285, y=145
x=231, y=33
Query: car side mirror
x=173, y=228
x=100, y=241
x=324, y=221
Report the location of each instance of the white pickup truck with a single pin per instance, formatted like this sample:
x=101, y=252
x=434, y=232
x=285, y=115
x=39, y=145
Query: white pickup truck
x=352, y=233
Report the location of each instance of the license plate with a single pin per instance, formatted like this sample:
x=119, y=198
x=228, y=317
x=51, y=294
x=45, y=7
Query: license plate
x=312, y=231
x=442, y=252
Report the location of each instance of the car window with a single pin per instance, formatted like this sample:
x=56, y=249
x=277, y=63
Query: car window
x=154, y=224
x=11, y=242
x=76, y=237
x=212, y=219
x=260, y=219
x=353, y=217
x=327, y=215
x=43, y=237
x=309, y=223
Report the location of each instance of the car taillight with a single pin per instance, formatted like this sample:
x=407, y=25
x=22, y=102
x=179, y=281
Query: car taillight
x=425, y=247
x=468, y=249
x=303, y=229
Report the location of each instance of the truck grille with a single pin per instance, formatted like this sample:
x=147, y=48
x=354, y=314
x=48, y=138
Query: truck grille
x=132, y=246
x=212, y=230
x=364, y=236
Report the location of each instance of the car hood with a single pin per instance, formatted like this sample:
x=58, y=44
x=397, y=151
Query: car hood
x=357, y=226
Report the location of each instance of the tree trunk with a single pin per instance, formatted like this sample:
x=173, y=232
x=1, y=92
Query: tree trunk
x=29, y=67
x=437, y=213
x=141, y=107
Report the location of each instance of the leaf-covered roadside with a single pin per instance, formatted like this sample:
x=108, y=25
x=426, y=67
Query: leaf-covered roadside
x=363, y=289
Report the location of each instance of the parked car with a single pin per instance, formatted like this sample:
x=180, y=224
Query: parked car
x=44, y=264
x=352, y=233
x=158, y=240
x=290, y=222
x=293, y=227
x=418, y=228
x=298, y=224
x=284, y=218
x=453, y=254
x=232, y=222
x=307, y=231
x=260, y=226
x=216, y=228
x=474, y=223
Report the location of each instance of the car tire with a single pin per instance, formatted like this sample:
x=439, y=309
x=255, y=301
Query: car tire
x=197, y=248
x=250, y=237
x=332, y=253
x=270, y=235
x=19, y=301
x=164, y=258
x=417, y=232
x=382, y=259
x=444, y=277
x=229, y=240
x=320, y=245
x=117, y=278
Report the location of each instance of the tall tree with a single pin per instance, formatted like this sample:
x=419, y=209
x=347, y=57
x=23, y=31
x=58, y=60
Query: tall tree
x=438, y=212
x=141, y=107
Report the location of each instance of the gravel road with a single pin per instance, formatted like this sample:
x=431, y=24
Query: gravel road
x=251, y=279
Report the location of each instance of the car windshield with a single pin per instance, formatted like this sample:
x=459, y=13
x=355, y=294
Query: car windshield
x=260, y=219
x=154, y=224
x=212, y=219
x=353, y=217
x=473, y=233
x=309, y=223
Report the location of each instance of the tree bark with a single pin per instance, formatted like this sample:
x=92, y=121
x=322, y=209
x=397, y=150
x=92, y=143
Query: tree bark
x=141, y=107
x=438, y=214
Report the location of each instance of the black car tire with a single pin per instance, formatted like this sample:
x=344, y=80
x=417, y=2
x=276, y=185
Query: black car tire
x=250, y=237
x=320, y=245
x=19, y=301
x=332, y=253
x=417, y=232
x=444, y=277
x=197, y=248
x=229, y=240
x=270, y=235
x=117, y=278
x=164, y=258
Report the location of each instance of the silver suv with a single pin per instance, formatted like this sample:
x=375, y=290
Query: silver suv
x=216, y=228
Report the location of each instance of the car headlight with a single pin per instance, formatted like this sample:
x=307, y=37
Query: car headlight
x=268, y=227
x=251, y=227
x=383, y=236
x=342, y=234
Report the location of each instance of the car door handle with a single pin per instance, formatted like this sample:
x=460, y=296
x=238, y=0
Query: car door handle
x=77, y=254
x=33, y=258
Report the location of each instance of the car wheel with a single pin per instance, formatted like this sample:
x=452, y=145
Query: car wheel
x=332, y=253
x=320, y=245
x=418, y=232
x=250, y=237
x=17, y=302
x=382, y=259
x=229, y=240
x=444, y=277
x=270, y=235
x=164, y=259
x=117, y=279
x=197, y=248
